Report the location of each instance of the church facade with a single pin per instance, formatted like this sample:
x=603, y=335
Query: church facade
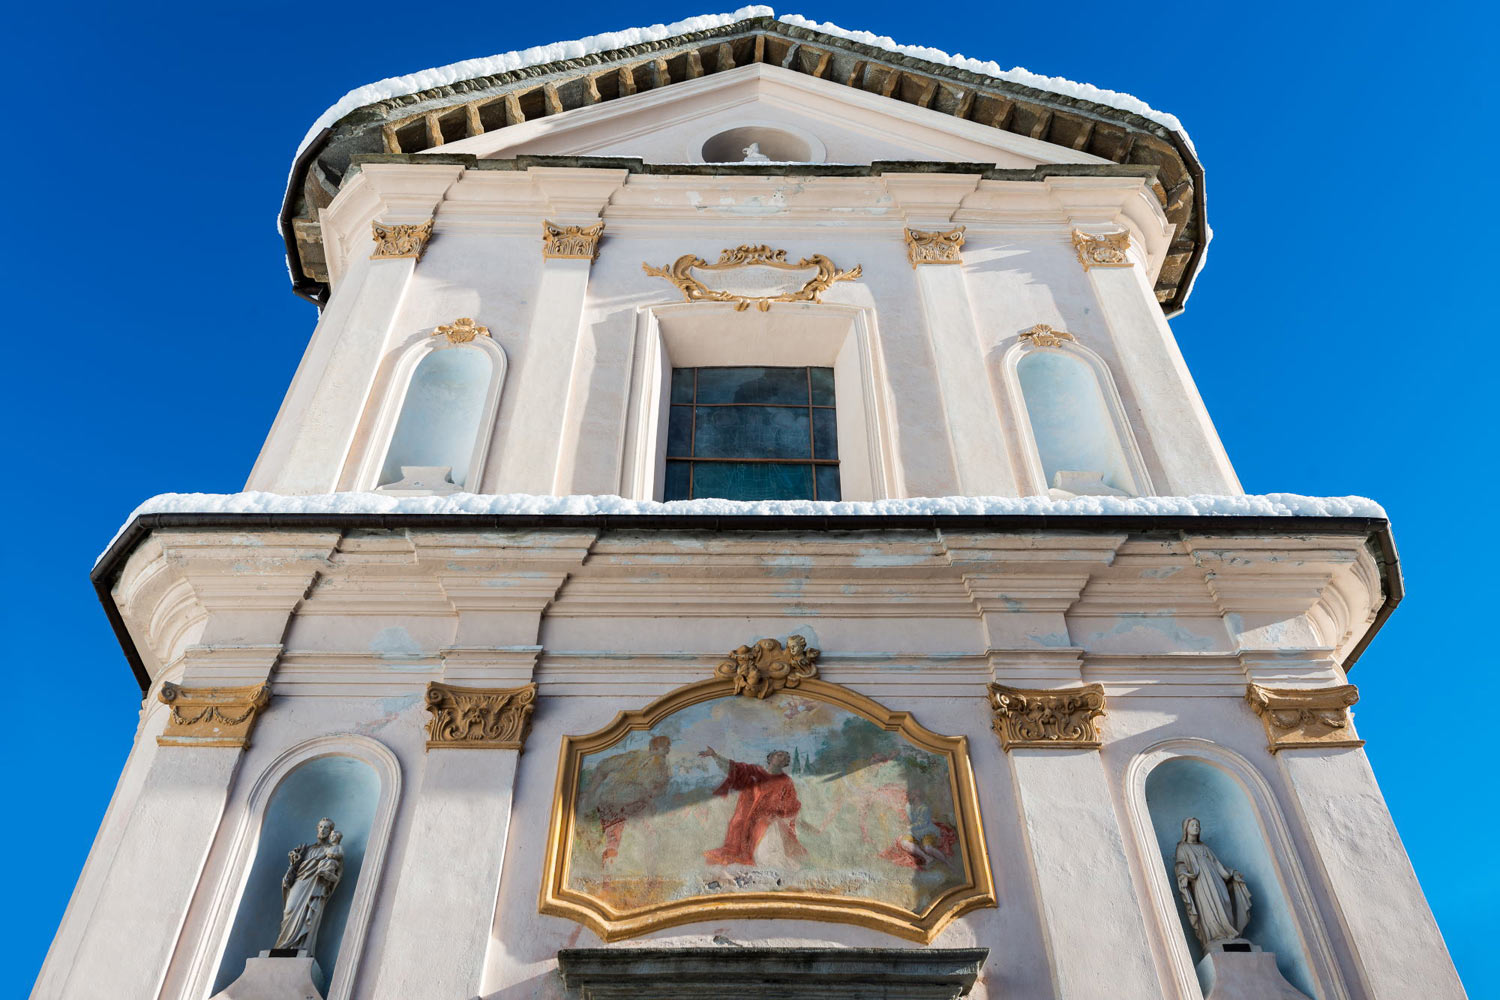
x=742, y=525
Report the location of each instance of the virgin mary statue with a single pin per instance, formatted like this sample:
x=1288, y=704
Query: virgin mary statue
x=1216, y=898
x=313, y=872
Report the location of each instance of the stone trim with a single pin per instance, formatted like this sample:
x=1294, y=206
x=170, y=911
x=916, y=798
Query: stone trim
x=784, y=973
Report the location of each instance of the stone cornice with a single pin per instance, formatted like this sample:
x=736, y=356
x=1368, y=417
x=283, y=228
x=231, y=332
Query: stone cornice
x=426, y=120
x=175, y=582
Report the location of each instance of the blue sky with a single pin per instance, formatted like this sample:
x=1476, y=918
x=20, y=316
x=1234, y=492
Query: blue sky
x=1334, y=334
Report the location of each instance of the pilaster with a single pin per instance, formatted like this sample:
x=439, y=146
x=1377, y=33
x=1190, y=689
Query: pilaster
x=928, y=203
x=1399, y=950
x=1182, y=436
x=552, y=367
x=313, y=431
x=1079, y=865
x=442, y=911
x=129, y=929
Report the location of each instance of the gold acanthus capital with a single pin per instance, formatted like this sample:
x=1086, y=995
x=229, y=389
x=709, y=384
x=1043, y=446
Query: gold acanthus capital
x=766, y=667
x=1305, y=717
x=394, y=240
x=211, y=716
x=461, y=331
x=1102, y=249
x=571, y=242
x=1052, y=718
x=473, y=718
x=935, y=246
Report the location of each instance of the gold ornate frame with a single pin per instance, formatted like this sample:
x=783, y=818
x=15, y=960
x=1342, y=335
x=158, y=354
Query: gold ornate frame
x=977, y=890
x=680, y=273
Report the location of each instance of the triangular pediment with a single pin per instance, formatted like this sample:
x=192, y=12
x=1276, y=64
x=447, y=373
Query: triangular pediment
x=660, y=94
x=789, y=116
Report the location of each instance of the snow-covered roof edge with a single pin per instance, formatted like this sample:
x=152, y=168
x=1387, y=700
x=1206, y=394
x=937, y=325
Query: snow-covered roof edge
x=536, y=55
x=1267, y=505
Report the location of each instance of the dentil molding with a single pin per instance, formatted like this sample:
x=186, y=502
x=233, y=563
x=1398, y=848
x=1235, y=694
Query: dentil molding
x=1053, y=718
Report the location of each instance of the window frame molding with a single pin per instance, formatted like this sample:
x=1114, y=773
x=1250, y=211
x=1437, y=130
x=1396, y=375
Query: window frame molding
x=1283, y=851
x=393, y=401
x=690, y=335
x=1135, y=462
x=234, y=877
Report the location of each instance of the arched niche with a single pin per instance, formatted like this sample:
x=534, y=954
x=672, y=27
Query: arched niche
x=440, y=415
x=355, y=781
x=1072, y=422
x=1242, y=825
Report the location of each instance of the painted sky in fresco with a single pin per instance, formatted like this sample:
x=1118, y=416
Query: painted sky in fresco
x=1337, y=332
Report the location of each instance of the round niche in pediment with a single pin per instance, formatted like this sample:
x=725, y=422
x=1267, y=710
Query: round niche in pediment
x=762, y=144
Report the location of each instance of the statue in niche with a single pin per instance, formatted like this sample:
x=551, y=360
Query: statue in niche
x=1216, y=898
x=313, y=872
x=754, y=155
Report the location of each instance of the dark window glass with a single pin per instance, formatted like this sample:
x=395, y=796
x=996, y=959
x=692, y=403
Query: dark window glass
x=822, y=386
x=752, y=434
x=753, y=480
x=828, y=483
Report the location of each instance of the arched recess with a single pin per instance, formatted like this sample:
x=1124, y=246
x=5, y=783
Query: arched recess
x=440, y=411
x=1071, y=421
x=1243, y=824
x=342, y=773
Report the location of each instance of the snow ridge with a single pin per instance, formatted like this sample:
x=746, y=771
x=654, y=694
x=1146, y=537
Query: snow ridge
x=1268, y=505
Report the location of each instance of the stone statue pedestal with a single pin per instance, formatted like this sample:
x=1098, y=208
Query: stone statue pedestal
x=280, y=978
x=1239, y=970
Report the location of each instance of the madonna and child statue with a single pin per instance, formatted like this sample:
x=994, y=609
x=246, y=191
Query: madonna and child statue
x=313, y=872
x=288, y=968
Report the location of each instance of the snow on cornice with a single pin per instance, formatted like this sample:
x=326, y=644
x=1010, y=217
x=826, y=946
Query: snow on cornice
x=334, y=504
x=538, y=55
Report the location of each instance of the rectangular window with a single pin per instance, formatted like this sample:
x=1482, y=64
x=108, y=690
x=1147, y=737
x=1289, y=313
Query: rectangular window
x=752, y=434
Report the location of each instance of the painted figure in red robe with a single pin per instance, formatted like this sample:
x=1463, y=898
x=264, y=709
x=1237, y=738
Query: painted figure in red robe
x=767, y=805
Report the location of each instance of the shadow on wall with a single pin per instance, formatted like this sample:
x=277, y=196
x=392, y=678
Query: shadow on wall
x=341, y=788
x=1184, y=787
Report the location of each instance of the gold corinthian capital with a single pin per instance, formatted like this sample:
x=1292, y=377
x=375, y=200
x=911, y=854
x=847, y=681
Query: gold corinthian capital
x=1053, y=718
